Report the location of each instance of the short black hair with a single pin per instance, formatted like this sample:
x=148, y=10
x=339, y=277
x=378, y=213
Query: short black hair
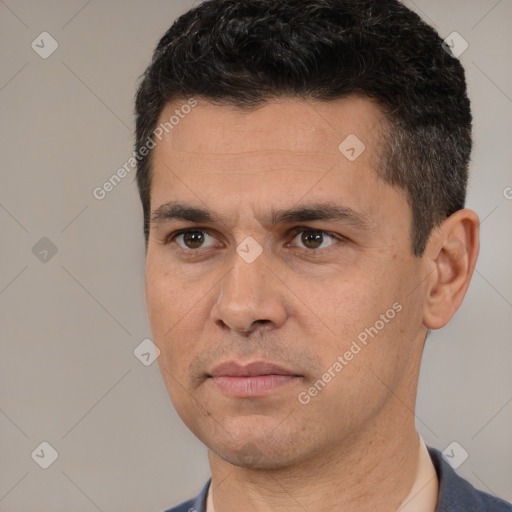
x=244, y=53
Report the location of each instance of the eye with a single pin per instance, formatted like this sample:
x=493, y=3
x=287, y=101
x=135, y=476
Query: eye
x=191, y=239
x=314, y=238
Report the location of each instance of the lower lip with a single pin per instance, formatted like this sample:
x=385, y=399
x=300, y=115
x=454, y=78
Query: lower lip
x=260, y=385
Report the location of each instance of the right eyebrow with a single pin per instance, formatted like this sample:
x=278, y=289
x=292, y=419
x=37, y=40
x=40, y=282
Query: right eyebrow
x=178, y=211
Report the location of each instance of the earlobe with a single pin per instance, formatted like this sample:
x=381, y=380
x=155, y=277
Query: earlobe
x=452, y=252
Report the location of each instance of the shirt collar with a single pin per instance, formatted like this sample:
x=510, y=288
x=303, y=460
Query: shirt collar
x=424, y=491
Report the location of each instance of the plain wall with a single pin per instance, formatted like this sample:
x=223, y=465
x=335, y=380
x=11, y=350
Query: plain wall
x=70, y=323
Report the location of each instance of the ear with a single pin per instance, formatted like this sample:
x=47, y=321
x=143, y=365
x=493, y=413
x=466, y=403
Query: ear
x=451, y=255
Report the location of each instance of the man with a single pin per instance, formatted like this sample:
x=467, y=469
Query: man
x=303, y=167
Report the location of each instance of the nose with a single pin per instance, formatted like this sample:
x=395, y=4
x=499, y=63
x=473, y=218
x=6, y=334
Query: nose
x=250, y=295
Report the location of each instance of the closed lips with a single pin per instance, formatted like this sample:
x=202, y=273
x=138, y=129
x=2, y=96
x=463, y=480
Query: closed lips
x=232, y=369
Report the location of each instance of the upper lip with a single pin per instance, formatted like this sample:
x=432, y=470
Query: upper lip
x=234, y=369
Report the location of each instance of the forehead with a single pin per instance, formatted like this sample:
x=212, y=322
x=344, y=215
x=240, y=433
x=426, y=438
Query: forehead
x=286, y=130
x=289, y=143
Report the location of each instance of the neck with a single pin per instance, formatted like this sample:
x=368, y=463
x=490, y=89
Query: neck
x=373, y=471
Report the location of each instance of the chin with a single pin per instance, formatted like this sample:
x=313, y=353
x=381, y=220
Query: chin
x=254, y=451
x=250, y=456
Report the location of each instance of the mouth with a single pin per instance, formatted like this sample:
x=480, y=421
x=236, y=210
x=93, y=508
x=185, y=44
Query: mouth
x=256, y=379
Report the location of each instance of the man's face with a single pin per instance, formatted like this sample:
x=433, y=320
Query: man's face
x=300, y=293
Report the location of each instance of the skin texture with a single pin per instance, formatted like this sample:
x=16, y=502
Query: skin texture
x=354, y=445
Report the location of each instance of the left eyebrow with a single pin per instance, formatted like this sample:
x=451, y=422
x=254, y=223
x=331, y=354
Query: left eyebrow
x=328, y=212
x=303, y=213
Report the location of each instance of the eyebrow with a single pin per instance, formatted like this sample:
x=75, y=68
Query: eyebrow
x=310, y=212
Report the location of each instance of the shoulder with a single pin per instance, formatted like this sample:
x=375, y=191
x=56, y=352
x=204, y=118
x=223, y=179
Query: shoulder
x=457, y=494
x=197, y=504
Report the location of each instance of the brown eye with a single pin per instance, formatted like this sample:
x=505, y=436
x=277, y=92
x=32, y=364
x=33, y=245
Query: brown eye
x=192, y=239
x=314, y=238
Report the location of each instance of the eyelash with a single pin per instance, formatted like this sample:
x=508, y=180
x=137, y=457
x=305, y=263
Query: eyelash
x=294, y=232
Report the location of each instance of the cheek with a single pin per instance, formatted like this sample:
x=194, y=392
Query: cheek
x=171, y=317
x=338, y=310
x=168, y=297
x=366, y=320
x=170, y=326
x=159, y=304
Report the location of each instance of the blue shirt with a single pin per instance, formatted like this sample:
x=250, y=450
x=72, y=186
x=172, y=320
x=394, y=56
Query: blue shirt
x=455, y=493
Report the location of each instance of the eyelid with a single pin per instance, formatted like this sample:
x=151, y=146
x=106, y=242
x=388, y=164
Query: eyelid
x=300, y=229
x=170, y=238
x=333, y=236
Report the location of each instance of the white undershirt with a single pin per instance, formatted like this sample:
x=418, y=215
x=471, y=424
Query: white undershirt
x=421, y=498
x=423, y=494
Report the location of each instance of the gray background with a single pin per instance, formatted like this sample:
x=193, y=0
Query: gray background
x=71, y=321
